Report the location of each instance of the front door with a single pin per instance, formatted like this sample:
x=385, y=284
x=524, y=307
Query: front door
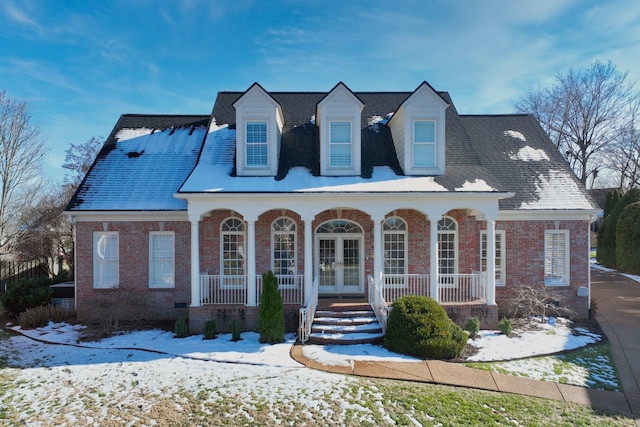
x=340, y=266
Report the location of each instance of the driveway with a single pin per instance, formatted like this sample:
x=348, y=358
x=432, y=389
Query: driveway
x=618, y=313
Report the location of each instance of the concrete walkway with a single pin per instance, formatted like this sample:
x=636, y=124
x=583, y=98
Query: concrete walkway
x=618, y=312
x=617, y=302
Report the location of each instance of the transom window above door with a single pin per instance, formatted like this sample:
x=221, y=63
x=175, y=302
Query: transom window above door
x=339, y=226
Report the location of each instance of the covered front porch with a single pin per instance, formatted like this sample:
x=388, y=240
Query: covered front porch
x=367, y=247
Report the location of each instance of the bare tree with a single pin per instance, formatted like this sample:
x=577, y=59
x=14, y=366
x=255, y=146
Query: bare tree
x=624, y=159
x=22, y=151
x=584, y=113
x=79, y=158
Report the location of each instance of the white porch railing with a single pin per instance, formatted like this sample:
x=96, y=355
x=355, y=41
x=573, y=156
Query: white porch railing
x=308, y=312
x=462, y=288
x=216, y=289
x=452, y=288
x=395, y=286
x=378, y=302
x=291, y=288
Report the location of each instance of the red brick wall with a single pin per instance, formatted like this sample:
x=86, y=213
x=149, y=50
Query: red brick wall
x=133, y=299
x=524, y=259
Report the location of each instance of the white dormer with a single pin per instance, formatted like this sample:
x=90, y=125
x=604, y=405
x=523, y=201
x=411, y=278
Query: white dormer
x=259, y=123
x=418, y=131
x=338, y=117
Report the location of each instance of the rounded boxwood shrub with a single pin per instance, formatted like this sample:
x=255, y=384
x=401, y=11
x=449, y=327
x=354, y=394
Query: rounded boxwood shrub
x=419, y=326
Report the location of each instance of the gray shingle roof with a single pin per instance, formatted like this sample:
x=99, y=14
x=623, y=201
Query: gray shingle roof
x=510, y=153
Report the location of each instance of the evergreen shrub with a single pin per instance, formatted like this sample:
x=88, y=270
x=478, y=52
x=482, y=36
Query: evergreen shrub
x=505, y=326
x=628, y=239
x=419, y=326
x=271, y=313
x=25, y=294
x=472, y=326
x=607, y=253
x=210, y=330
x=181, y=328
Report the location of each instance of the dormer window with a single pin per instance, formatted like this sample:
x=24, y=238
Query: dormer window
x=338, y=117
x=256, y=149
x=418, y=130
x=340, y=144
x=424, y=143
x=259, y=123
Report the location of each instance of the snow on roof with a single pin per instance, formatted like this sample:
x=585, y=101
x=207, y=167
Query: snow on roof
x=128, y=133
x=213, y=175
x=529, y=154
x=557, y=190
x=142, y=171
x=477, y=185
x=515, y=134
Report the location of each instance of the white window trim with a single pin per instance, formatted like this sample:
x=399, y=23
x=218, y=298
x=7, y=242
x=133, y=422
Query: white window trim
x=456, y=251
x=285, y=283
x=173, y=261
x=97, y=235
x=434, y=143
x=238, y=281
x=246, y=144
x=396, y=283
x=331, y=144
x=567, y=265
x=500, y=273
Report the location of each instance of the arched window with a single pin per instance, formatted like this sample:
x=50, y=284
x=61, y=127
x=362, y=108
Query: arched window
x=447, y=246
x=232, y=248
x=394, y=232
x=283, y=244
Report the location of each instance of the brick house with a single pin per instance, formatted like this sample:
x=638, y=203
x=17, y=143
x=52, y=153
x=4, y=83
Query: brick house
x=369, y=196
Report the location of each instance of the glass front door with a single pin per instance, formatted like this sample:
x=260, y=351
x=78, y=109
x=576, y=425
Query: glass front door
x=339, y=261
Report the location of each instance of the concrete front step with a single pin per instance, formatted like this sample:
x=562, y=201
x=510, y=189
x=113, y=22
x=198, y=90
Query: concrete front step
x=346, y=325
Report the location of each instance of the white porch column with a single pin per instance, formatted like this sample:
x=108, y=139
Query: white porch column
x=196, y=301
x=491, y=262
x=308, y=258
x=251, y=262
x=433, y=257
x=377, y=250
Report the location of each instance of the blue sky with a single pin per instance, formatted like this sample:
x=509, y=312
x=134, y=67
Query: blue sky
x=80, y=64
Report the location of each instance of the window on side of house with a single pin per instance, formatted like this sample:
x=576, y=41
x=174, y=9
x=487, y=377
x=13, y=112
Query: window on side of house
x=500, y=263
x=106, y=261
x=447, y=246
x=283, y=238
x=232, y=246
x=424, y=143
x=556, y=257
x=161, y=259
x=256, y=147
x=340, y=144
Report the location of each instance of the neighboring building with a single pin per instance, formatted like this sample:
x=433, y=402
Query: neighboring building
x=341, y=194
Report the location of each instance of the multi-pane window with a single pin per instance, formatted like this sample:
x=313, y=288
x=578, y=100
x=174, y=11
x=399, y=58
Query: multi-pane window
x=161, y=259
x=106, y=262
x=499, y=263
x=340, y=144
x=424, y=143
x=256, y=148
x=447, y=251
x=556, y=257
x=233, y=252
x=284, y=247
x=395, y=246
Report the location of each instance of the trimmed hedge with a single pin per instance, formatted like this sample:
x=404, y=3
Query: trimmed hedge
x=607, y=253
x=419, y=326
x=628, y=239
